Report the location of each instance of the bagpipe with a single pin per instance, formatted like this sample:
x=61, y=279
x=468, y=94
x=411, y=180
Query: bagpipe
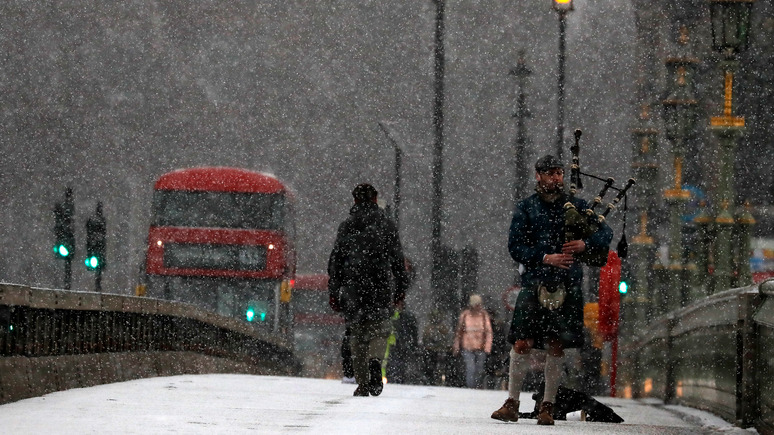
x=581, y=224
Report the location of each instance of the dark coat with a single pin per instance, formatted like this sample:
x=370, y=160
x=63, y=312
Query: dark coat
x=406, y=335
x=537, y=229
x=403, y=353
x=366, y=269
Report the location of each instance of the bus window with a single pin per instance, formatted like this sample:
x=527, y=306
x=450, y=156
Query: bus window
x=177, y=208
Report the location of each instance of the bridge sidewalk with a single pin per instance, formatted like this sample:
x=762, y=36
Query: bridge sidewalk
x=269, y=404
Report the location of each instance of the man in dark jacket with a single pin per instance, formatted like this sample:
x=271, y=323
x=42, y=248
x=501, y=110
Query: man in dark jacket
x=549, y=309
x=403, y=353
x=367, y=279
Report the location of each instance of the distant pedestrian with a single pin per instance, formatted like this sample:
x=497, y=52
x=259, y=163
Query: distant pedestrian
x=495, y=367
x=473, y=338
x=404, y=352
x=367, y=279
x=436, y=341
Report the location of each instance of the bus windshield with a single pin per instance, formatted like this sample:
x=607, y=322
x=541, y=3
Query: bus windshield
x=177, y=208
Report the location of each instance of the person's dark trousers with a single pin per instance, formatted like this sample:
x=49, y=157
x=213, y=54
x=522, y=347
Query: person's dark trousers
x=592, y=362
x=455, y=370
x=346, y=356
x=435, y=367
x=396, y=370
x=368, y=342
x=431, y=372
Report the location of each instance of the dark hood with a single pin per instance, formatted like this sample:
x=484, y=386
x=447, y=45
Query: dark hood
x=365, y=210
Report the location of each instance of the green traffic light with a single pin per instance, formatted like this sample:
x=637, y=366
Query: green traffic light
x=92, y=262
x=251, y=315
x=61, y=250
x=623, y=287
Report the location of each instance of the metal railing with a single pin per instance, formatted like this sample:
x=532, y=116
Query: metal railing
x=54, y=339
x=716, y=354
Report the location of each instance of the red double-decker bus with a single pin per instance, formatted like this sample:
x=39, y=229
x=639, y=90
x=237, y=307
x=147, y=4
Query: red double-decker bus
x=223, y=239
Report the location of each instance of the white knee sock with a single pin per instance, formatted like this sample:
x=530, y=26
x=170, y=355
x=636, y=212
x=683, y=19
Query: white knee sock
x=553, y=373
x=517, y=370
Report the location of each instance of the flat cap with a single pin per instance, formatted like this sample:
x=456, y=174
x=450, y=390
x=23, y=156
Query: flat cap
x=548, y=162
x=364, y=192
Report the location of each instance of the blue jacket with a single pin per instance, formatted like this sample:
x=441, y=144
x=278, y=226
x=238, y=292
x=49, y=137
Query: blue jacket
x=537, y=229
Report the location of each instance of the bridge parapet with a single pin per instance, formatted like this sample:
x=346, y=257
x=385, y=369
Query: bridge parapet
x=52, y=340
x=715, y=354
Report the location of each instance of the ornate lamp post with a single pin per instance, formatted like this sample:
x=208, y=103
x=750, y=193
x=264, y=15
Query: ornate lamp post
x=645, y=167
x=730, y=25
x=562, y=7
x=637, y=305
x=679, y=123
x=730, y=29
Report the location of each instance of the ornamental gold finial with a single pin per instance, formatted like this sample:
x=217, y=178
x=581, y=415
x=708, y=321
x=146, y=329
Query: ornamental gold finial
x=683, y=39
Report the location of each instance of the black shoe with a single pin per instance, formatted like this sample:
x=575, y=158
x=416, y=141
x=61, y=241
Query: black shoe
x=375, y=385
x=361, y=391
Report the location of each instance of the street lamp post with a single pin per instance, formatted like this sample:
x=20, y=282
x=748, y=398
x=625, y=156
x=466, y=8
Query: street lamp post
x=437, y=169
x=730, y=29
x=520, y=168
x=562, y=7
x=391, y=135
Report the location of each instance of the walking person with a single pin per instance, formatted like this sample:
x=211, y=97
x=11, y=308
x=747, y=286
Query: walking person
x=436, y=340
x=495, y=367
x=402, y=359
x=367, y=280
x=548, y=312
x=473, y=338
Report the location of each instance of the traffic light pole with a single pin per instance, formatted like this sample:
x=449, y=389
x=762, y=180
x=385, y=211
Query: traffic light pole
x=64, y=238
x=95, y=246
x=68, y=273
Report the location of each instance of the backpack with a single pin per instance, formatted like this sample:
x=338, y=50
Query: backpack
x=366, y=289
x=366, y=255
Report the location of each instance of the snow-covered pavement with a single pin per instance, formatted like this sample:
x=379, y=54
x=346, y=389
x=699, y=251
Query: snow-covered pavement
x=235, y=404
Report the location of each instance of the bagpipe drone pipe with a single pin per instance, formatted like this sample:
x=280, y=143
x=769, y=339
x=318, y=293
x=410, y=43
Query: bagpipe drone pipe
x=581, y=224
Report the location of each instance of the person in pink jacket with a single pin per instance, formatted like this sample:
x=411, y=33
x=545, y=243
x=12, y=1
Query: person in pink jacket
x=474, y=339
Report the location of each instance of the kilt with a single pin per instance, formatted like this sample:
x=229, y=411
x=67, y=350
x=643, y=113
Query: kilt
x=532, y=321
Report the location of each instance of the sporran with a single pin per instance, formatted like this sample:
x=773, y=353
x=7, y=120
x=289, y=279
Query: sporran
x=551, y=296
